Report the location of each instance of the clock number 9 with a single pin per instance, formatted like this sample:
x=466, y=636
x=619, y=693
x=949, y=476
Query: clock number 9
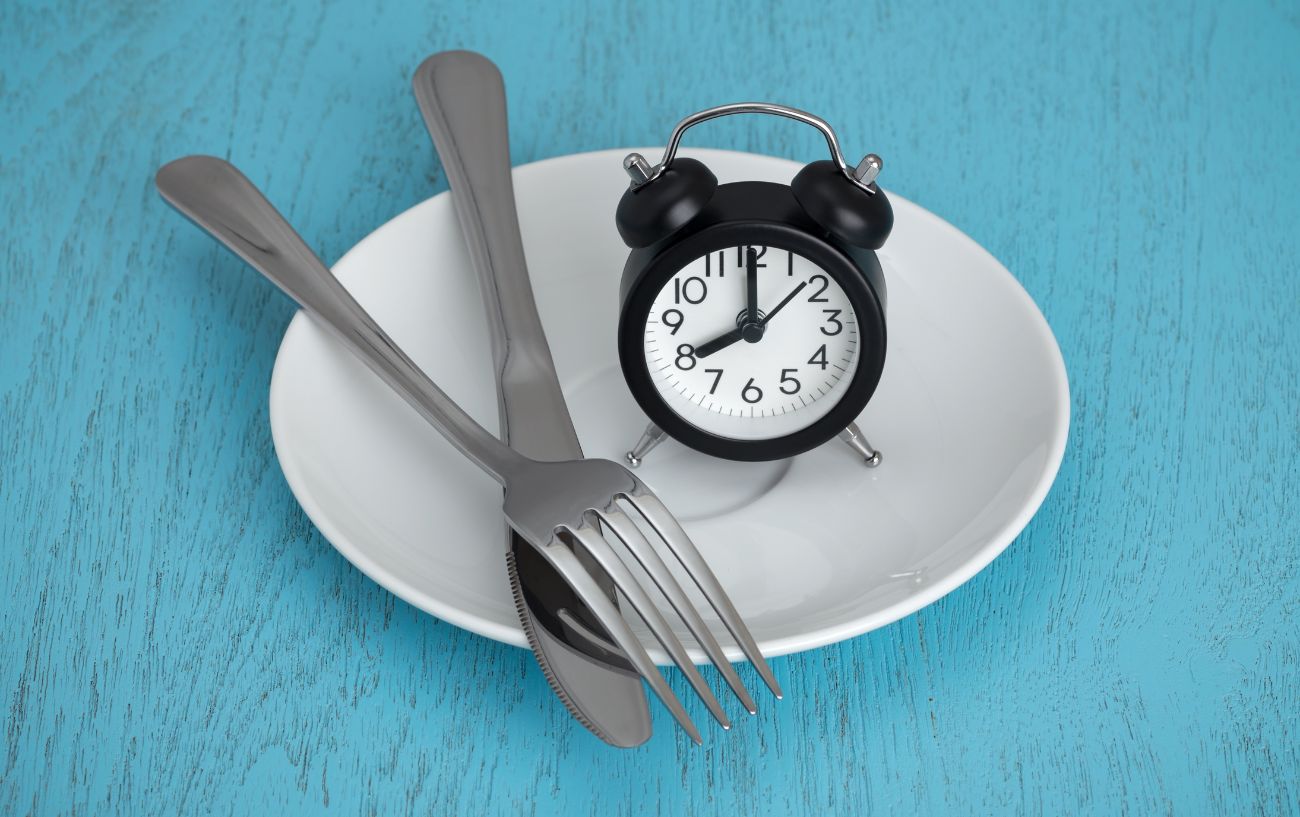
x=673, y=320
x=682, y=290
x=685, y=352
x=751, y=388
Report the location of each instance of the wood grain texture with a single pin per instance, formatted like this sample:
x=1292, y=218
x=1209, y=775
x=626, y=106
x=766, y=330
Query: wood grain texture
x=175, y=637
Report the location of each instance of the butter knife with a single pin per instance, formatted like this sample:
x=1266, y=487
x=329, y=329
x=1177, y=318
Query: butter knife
x=462, y=98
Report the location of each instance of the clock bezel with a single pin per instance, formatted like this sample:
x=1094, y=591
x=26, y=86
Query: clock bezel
x=658, y=269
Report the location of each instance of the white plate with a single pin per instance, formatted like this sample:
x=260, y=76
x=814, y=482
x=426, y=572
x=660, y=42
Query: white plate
x=971, y=416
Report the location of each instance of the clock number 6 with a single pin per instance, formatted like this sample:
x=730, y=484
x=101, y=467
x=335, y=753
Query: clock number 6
x=750, y=387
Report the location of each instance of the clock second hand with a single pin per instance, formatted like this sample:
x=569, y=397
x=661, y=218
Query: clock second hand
x=723, y=341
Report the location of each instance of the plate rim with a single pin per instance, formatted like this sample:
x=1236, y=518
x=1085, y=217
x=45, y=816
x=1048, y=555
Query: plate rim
x=812, y=639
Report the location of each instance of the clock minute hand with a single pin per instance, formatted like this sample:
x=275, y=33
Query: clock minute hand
x=751, y=286
x=787, y=299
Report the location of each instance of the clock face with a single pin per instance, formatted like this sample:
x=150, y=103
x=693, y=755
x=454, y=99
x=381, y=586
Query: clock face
x=751, y=343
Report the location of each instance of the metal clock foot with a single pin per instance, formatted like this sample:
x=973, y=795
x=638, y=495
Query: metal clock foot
x=859, y=443
x=653, y=436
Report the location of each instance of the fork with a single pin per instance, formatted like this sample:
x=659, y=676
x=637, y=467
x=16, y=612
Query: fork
x=555, y=506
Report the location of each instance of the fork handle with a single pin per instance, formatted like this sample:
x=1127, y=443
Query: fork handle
x=218, y=198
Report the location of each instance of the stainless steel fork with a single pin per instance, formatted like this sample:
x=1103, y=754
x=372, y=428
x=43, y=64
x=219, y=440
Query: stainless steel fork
x=554, y=505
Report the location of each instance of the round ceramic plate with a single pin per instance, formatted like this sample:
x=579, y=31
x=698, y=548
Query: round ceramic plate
x=971, y=417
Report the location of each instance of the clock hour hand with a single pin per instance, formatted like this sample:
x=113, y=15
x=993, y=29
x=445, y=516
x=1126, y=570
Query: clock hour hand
x=718, y=344
x=723, y=341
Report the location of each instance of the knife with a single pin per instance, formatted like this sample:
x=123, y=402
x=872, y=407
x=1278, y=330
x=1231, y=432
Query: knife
x=462, y=97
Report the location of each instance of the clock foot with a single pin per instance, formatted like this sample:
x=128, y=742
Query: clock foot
x=855, y=439
x=653, y=436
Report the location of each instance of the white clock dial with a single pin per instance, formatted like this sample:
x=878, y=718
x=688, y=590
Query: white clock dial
x=742, y=379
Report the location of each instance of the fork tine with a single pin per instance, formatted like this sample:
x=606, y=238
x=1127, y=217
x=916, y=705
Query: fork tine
x=668, y=528
x=568, y=566
x=653, y=564
x=591, y=540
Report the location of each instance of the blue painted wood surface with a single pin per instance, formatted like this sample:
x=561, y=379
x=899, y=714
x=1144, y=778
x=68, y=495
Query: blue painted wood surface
x=175, y=638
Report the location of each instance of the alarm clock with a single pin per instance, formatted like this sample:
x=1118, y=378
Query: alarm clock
x=752, y=322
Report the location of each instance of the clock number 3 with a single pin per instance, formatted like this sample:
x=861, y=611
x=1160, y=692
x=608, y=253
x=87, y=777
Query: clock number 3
x=833, y=317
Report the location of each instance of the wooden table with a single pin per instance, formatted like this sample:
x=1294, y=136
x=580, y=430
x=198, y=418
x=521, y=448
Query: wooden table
x=178, y=639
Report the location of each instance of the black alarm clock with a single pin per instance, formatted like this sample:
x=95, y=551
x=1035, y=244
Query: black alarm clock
x=752, y=324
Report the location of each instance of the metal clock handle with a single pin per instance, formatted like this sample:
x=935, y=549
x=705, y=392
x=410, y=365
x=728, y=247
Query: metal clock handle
x=862, y=175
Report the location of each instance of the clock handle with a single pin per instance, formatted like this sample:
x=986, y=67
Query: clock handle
x=863, y=175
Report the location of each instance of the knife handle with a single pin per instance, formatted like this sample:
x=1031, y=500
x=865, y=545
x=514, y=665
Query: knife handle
x=462, y=98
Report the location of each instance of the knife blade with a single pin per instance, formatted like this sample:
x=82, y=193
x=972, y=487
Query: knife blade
x=461, y=96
